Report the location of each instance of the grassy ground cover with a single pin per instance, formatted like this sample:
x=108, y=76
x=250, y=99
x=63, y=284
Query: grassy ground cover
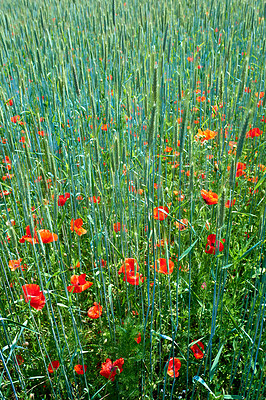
x=132, y=199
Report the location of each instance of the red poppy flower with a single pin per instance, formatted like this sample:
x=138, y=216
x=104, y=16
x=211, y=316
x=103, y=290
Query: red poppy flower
x=95, y=311
x=110, y=369
x=174, y=366
x=15, y=119
x=160, y=213
x=212, y=245
x=80, y=369
x=79, y=284
x=76, y=225
x=95, y=199
x=198, y=354
x=138, y=338
x=254, y=133
x=10, y=102
x=229, y=203
x=209, y=197
x=45, y=234
x=53, y=366
x=63, y=198
x=163, y=267
x=14, y=264
x=20, y=359
x=117, y=227
x=205, y=135
x=130, y=265
x=133, y=279
x=33, y=295
x=182, y=225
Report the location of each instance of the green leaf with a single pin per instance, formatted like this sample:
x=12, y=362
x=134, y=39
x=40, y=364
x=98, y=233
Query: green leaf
x=200, y=380
x=188, y=250
x=260, y=182
x=215, y=362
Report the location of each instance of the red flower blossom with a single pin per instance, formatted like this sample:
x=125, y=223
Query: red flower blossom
x=117, y=227
x=14, y=264
x=79, y=284
x=209, y=197
x=9, y=102
x=80, y=369
x=160, y=213
x=130, y=268
x=254, y=133
x=110, y=369
x=20, y=359
x=95, y=199
x=212, y=245
x=63, y=198
x=198, y=354
x=174, y=366
x=95, y=311
x=53, y=366
x=163, y=267
x=33, y=295
x=138, y=338
x=76, y=225
x=45, y=234
x=229, y=203
x=130, y=265
x=133, y=279
x=15, y=119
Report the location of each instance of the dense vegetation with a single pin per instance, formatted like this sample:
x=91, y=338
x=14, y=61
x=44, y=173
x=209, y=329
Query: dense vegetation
x=132, y=199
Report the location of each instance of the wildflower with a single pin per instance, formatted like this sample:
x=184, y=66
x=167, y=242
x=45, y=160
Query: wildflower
x=174, y=366
x=229, y=203
x=133, y=279
x=160, y=213
x=212, y=245
x=130, y=265
x=117, y=227
x=130, y=268
x=200, y=98
x=63, y=198
x=182, y=225
x=164, y=267
x=78, y=284
x=33, y=295
x=95, y=199
x=254, y=133
x=80, y=369
x=138, y=338
x=53, y=366
x=198, y=354
x=95, y=311
x=76, y=225
x=203, y=285
x=209, y=197
x=15, y=119
x=20, y=359
x=14, y=264
x=110, y=369
x=205, y=135
x=45, y=235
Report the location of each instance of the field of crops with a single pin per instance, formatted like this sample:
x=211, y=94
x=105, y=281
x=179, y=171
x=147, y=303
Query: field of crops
x=132, y=199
